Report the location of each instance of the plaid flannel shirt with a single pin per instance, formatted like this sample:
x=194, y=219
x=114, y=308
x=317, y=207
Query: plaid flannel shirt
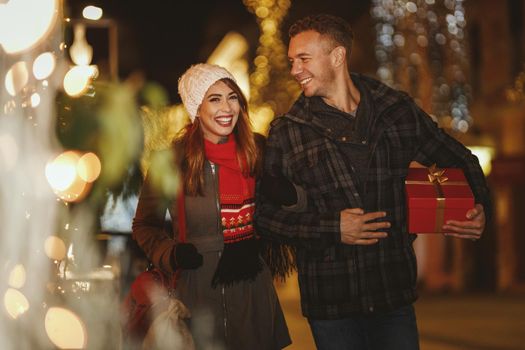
x=338, y=280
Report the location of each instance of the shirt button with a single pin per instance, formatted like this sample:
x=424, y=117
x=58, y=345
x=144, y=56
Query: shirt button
x=363, y=142
x=371, y=309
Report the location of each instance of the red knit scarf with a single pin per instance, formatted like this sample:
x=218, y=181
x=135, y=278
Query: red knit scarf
x=240, y=259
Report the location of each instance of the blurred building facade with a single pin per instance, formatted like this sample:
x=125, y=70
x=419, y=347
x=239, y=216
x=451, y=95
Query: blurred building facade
x=497, y=33
x=495, y=69
x=464, y=63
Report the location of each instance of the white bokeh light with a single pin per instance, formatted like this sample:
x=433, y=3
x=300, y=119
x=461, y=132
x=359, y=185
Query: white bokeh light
x=24, y=23
x=44, y=65
x=76, y=80
x=16, y=78
x=35, y=100
x=92, y=12
x=62, y=171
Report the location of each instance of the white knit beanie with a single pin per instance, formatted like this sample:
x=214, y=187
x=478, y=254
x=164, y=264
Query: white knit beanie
x=196, y=81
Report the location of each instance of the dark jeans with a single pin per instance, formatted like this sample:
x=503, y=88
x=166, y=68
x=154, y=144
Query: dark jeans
x=395, y=330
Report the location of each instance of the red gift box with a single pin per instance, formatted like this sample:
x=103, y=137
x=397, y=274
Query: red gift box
x=435, y=196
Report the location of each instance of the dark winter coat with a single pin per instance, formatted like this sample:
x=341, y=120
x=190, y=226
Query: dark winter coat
x=338, y=280
x=246, y=315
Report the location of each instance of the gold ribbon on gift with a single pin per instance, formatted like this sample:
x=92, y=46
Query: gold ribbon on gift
x=437, y=179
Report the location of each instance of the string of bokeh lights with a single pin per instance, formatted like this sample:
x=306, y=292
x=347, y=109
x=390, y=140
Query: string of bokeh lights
x=271, y=88
x=33, y=59
x=438, y=28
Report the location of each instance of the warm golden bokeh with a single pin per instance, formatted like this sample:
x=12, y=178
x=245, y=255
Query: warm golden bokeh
x=17, y=276
x=89, y=167
x=21, y=29
x=15, y=303
x=63, y=176
x=65, y=329
x=55, y=248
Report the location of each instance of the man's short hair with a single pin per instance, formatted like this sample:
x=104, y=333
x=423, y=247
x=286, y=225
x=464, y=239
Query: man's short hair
x=336, y=28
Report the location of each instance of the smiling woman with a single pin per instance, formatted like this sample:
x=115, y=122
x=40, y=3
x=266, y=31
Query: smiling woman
x=219, y=111
x=223, y=280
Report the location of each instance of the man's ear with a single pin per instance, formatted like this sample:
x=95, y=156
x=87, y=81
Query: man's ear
x=338, y=56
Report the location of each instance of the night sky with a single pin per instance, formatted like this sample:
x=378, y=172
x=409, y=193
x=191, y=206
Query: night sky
x=164, y=37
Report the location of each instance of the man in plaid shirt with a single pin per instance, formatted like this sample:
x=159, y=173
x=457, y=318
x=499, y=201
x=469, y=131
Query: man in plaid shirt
x=348, y=141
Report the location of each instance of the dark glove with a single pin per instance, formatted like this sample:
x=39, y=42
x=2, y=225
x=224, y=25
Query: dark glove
x=187, y=256
x=278, y=189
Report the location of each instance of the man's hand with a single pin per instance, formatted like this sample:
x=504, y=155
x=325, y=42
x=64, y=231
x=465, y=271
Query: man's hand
x=355, y=228
x=471, y=228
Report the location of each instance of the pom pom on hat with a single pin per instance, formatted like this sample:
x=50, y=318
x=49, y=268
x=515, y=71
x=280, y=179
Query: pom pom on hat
x=196, y=81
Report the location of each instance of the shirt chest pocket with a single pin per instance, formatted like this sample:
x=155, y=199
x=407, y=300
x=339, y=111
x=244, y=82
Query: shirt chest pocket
x=313, y=169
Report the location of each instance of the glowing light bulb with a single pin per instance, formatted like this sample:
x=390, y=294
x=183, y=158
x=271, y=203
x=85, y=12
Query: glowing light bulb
x=81, y=52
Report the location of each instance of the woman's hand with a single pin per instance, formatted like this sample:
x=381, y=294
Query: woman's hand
x=187, y=256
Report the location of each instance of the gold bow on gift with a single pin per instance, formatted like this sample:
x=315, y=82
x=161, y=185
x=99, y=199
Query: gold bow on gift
x=438, y=180
x=435, y=174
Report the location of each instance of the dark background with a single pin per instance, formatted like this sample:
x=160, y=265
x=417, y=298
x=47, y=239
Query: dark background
x=164, y=37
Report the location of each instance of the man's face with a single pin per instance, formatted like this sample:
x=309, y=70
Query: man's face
x=309, y=55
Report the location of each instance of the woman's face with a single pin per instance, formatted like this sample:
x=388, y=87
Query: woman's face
x=219, y=112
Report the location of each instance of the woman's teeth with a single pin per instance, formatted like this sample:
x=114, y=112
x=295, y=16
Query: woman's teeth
x=224, y=120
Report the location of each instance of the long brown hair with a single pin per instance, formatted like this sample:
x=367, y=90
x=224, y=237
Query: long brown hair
x=194, y=157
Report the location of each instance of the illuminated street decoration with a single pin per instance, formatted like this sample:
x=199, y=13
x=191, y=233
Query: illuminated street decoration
x=272, y=88
x=79, y=77
x=231, y=54
x=420, y=47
